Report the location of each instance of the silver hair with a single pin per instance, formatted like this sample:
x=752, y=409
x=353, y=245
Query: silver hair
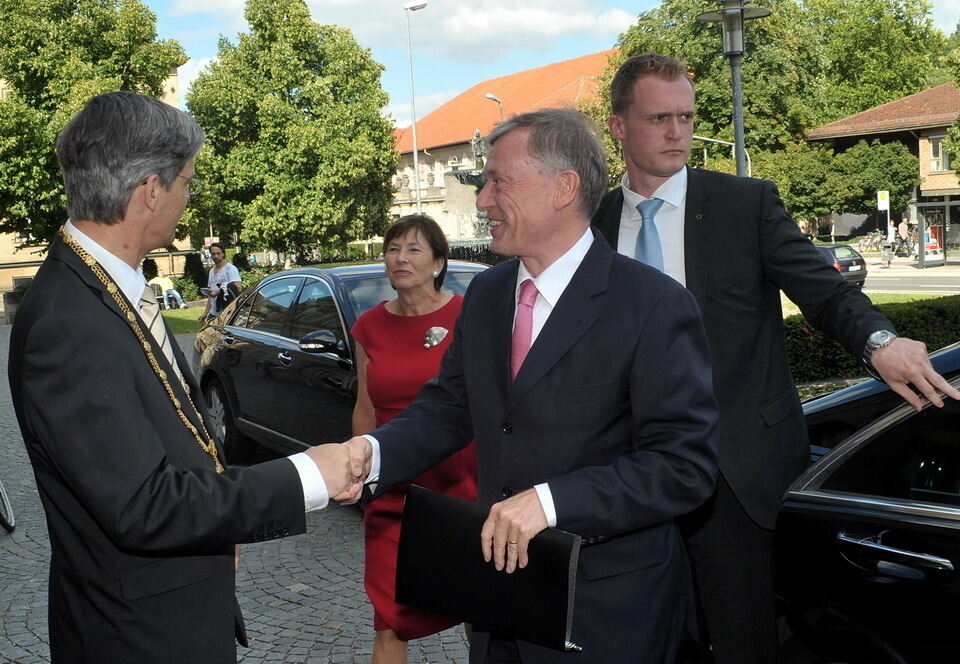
x=562, y=139
x=114, y=143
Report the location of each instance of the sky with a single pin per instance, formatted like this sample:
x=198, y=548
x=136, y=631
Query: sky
x=455, y=43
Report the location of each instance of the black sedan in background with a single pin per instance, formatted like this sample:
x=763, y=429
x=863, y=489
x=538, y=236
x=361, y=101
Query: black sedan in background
x=868, y=539
x=277, y=365
x=845, y=260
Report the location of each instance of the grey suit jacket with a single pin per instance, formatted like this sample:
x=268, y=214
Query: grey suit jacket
x=741, y=249
x=141, y=527
x=613, y=408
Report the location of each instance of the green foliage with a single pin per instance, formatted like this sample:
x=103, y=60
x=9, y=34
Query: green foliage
x=867, y=168
x=813, y=357
x=809, y=63
x=56, y=54
x=149, y=268
x=298, y=152
x=187, y=288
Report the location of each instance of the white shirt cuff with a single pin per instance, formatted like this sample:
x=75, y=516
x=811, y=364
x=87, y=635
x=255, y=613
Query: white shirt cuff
x=374, y=463
x=546, y=502
x=315, y=496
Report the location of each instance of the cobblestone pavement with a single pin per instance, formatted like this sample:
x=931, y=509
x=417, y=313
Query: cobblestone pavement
x=302, y=597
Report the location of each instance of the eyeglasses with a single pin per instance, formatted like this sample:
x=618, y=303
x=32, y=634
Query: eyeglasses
x=194, y=186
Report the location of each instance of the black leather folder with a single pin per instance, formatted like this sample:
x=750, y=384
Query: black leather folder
x=440, y=568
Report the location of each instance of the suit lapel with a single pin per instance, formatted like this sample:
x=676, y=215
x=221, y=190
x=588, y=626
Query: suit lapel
x=573, y=315
x=497, y=326
x=607, y=218
x=696, y=239
x=61, y=252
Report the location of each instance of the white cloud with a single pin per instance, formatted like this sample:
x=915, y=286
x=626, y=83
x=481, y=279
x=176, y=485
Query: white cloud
x=946, y=13
x=188, y=73
x=480, y=30
x=400, y=110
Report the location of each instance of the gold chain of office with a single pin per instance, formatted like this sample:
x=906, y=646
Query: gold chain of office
x=209, y=446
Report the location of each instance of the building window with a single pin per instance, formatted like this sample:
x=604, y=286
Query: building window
x=939, y=159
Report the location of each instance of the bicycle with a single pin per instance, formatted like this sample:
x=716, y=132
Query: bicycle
x=7, y=520
x=872, y=241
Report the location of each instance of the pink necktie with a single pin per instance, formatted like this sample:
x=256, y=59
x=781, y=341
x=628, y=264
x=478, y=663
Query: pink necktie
x=523, y=326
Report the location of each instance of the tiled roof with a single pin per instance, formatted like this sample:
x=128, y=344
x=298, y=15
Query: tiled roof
x=561, y=84
x=936, y=107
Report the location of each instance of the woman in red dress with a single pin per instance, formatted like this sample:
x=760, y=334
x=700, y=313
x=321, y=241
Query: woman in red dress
x=399, y=347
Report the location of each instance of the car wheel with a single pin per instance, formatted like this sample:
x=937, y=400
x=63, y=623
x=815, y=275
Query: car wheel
x=236, y=447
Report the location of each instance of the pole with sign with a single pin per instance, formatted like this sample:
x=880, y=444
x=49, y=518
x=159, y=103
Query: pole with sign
x=883, y=203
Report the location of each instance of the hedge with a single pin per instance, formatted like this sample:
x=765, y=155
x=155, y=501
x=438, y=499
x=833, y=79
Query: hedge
x=813, y=357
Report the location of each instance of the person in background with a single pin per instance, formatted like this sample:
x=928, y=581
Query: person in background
x=903, y=235
x=223, y=282
x=730, y=241
x=399, y=347
x=170, y=294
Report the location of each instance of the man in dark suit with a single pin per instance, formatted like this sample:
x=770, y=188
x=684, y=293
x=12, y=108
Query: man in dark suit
x=607, y=429
x=730, y=241
x=143, y=519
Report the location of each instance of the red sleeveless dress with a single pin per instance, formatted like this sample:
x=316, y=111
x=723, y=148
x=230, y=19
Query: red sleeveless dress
x=398, y=365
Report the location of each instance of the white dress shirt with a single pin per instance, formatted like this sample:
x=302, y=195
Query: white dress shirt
x=550, y=283
x=670, y=222
x=131, y=283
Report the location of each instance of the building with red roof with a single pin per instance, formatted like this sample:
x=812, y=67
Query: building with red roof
x=920, y=121
x=450, y=149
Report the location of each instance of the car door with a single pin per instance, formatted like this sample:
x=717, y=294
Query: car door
x=868, y=543
x=316, y=391
x=250, y=342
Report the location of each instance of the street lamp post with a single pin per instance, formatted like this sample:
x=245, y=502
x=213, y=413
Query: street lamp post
x=493, y=97
x=732, y=14
x=407, y=8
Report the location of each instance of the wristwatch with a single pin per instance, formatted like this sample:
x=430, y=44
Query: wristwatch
x=876, y=341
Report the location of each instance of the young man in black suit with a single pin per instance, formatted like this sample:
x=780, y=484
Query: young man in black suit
x=607, y=429
x=730, y=241
x=143, y=518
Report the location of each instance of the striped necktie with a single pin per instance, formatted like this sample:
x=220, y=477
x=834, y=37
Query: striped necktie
x=150, y=313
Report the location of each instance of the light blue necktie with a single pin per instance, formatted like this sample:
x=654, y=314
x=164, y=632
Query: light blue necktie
x=648, y=249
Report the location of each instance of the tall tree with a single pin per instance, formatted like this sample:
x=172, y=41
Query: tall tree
x=810, y=62
x=55, y=55
x=299, y=153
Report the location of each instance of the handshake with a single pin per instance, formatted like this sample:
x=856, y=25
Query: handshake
x=344, y=466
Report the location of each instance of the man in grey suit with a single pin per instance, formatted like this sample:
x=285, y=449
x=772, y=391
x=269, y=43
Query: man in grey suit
x=143, y=517
x=730, y=241
x=584, y=378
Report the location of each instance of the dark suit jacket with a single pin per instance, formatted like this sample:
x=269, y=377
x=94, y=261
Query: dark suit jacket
x=613, y=407
x=141, y=527
x=741, y=248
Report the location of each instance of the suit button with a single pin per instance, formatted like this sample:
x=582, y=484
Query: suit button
x=507, y=427
x=506, y=492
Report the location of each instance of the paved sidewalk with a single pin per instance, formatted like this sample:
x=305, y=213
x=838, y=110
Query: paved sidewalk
x=303, y=596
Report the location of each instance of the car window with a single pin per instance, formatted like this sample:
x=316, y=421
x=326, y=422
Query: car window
x=457, y=282
x=367, y=292
x=845, y=252
x=916, y=459
x=316, y=310
x=271, y=306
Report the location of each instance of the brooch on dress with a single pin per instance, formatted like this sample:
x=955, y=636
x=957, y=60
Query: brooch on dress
x=434, y=336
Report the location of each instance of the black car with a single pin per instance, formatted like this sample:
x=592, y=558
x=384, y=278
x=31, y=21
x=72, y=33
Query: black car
x=277, y=365
x=868, y=539
x=846, y=260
